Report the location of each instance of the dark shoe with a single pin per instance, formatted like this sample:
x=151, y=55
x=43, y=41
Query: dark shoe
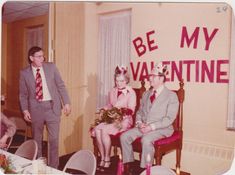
x=127, y=169
x=128, y=173
x=142, y=169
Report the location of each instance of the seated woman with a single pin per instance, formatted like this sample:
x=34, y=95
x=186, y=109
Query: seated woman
x=8, y=129
x=121, y=96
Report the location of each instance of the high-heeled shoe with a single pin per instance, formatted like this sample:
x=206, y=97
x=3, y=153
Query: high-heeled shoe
x=107, y=163
x=100, y=167
x=102, y=163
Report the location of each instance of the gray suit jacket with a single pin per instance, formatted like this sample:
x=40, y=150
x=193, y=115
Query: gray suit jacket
x=161, y=113
x=55, y=85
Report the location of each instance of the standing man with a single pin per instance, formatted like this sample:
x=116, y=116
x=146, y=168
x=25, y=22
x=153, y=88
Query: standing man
x=154, y=119
x=42, y=94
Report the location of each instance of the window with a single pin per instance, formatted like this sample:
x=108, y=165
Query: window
x=35, y=37
x=114, y=49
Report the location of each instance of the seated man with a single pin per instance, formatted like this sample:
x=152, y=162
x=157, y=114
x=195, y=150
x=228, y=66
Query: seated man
x=7, y=130
x=154, y=119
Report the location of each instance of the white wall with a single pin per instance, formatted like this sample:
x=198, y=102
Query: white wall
x=208, y=146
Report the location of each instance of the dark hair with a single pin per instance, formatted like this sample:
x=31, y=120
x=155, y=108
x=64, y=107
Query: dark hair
x=32, y=51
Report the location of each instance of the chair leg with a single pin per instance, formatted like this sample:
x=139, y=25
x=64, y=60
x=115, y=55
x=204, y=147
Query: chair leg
x=115, y=150
x=178, y=158
x=158, y=158
x=96, y=150
x=126, y=168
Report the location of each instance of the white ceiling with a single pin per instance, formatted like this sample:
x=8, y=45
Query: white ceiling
x=17, y=10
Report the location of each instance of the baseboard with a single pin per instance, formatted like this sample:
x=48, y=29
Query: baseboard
x=208, y=149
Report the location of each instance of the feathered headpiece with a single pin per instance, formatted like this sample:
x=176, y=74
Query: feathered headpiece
x=121, y=70
x=159, y=69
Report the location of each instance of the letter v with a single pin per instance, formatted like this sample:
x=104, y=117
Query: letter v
x=135, y=73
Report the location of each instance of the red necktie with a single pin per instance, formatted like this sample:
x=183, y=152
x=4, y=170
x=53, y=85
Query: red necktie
x=152, y=97
x=119, y=93
x=39, y=94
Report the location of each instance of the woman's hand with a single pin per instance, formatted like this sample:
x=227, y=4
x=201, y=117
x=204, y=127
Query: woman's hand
x=118, y=124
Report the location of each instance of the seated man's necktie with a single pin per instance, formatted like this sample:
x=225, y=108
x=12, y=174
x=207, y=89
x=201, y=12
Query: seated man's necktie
x=153, y=96
x=39, y=94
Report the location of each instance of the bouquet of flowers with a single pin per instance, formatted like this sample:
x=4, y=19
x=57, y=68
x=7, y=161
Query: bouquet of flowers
x=5, y=165
x=113, y=115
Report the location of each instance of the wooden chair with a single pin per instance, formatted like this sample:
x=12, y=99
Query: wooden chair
x=164, y=145
x=22, y=130
x=9, y=141
x=174, y=142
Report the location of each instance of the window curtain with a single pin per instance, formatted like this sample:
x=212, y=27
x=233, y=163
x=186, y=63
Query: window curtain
x=231, y=93
x=35, y=37
x=114, y=49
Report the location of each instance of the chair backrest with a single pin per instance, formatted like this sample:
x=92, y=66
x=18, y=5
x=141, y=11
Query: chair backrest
x=83, y=160
x=21, y=126
x=139, y=93
x=28, y=150
x=9, y=141
x=179, y=118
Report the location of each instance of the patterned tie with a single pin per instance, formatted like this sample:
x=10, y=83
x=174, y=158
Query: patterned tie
x=39, y=94
x=152, y=97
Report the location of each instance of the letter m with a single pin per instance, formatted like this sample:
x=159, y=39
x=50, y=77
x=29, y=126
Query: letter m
x=185, y=37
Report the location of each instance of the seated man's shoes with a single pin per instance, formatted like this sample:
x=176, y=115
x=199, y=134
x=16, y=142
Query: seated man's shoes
x=142, y=169
x=128, y=169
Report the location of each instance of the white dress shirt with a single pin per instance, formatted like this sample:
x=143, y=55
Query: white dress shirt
x=45, y=91
x=157, y=93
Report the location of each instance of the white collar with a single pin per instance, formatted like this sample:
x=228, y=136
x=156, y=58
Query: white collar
x=125, y=90
x=159, y=89
x=35, y=68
